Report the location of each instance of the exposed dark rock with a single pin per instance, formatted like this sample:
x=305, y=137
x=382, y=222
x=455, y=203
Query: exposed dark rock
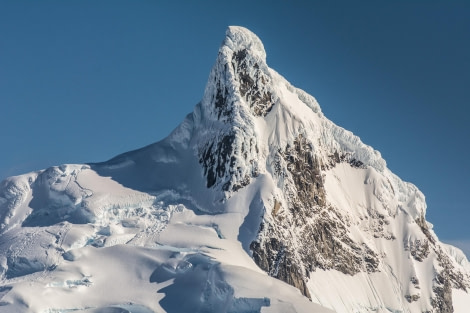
x=221, y=101
x=253, y=83
x=305, y=170
x=446, y=279
x=448, y=276
x=342, y=157
x=274, y=257
x=377, y=223
x=309, y=233
x=419, y=249
x=421, y=221
x=221, y=159
x=442, y=301
x=356, y=163
x=411, y=298
x=415, y=281
x=215, y=158
x=326, y=245
x=455, y=277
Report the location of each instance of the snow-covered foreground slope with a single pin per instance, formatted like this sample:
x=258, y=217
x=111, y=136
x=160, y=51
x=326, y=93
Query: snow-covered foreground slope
x=76, y=241
x=255, y=203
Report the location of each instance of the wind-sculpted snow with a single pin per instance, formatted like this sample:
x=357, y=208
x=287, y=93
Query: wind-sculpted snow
x=256, y=202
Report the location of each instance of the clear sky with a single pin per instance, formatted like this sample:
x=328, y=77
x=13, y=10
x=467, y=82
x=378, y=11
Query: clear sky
x=82, y=81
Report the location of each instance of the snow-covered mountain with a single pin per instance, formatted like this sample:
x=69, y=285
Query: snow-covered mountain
x=255, y=203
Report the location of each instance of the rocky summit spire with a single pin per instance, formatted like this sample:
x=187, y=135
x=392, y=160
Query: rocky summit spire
x=239, y=78
x=239, y=89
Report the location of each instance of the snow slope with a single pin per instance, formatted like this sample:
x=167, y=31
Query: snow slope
x=76, y=241
x=255, y=203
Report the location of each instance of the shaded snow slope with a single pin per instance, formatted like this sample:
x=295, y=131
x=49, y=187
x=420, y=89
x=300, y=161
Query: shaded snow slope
x=256, y=202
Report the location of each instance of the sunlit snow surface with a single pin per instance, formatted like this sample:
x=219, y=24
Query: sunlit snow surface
x=143, y=233
x=97, y=246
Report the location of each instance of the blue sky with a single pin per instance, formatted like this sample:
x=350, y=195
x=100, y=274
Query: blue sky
x=82, y=81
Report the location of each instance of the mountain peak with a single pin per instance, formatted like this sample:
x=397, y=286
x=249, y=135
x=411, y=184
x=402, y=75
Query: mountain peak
x=240, y=80
x=239, y=38
x=255, y=184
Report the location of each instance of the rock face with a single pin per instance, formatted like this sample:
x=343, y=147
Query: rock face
x=255, y=182
x=317, y=236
